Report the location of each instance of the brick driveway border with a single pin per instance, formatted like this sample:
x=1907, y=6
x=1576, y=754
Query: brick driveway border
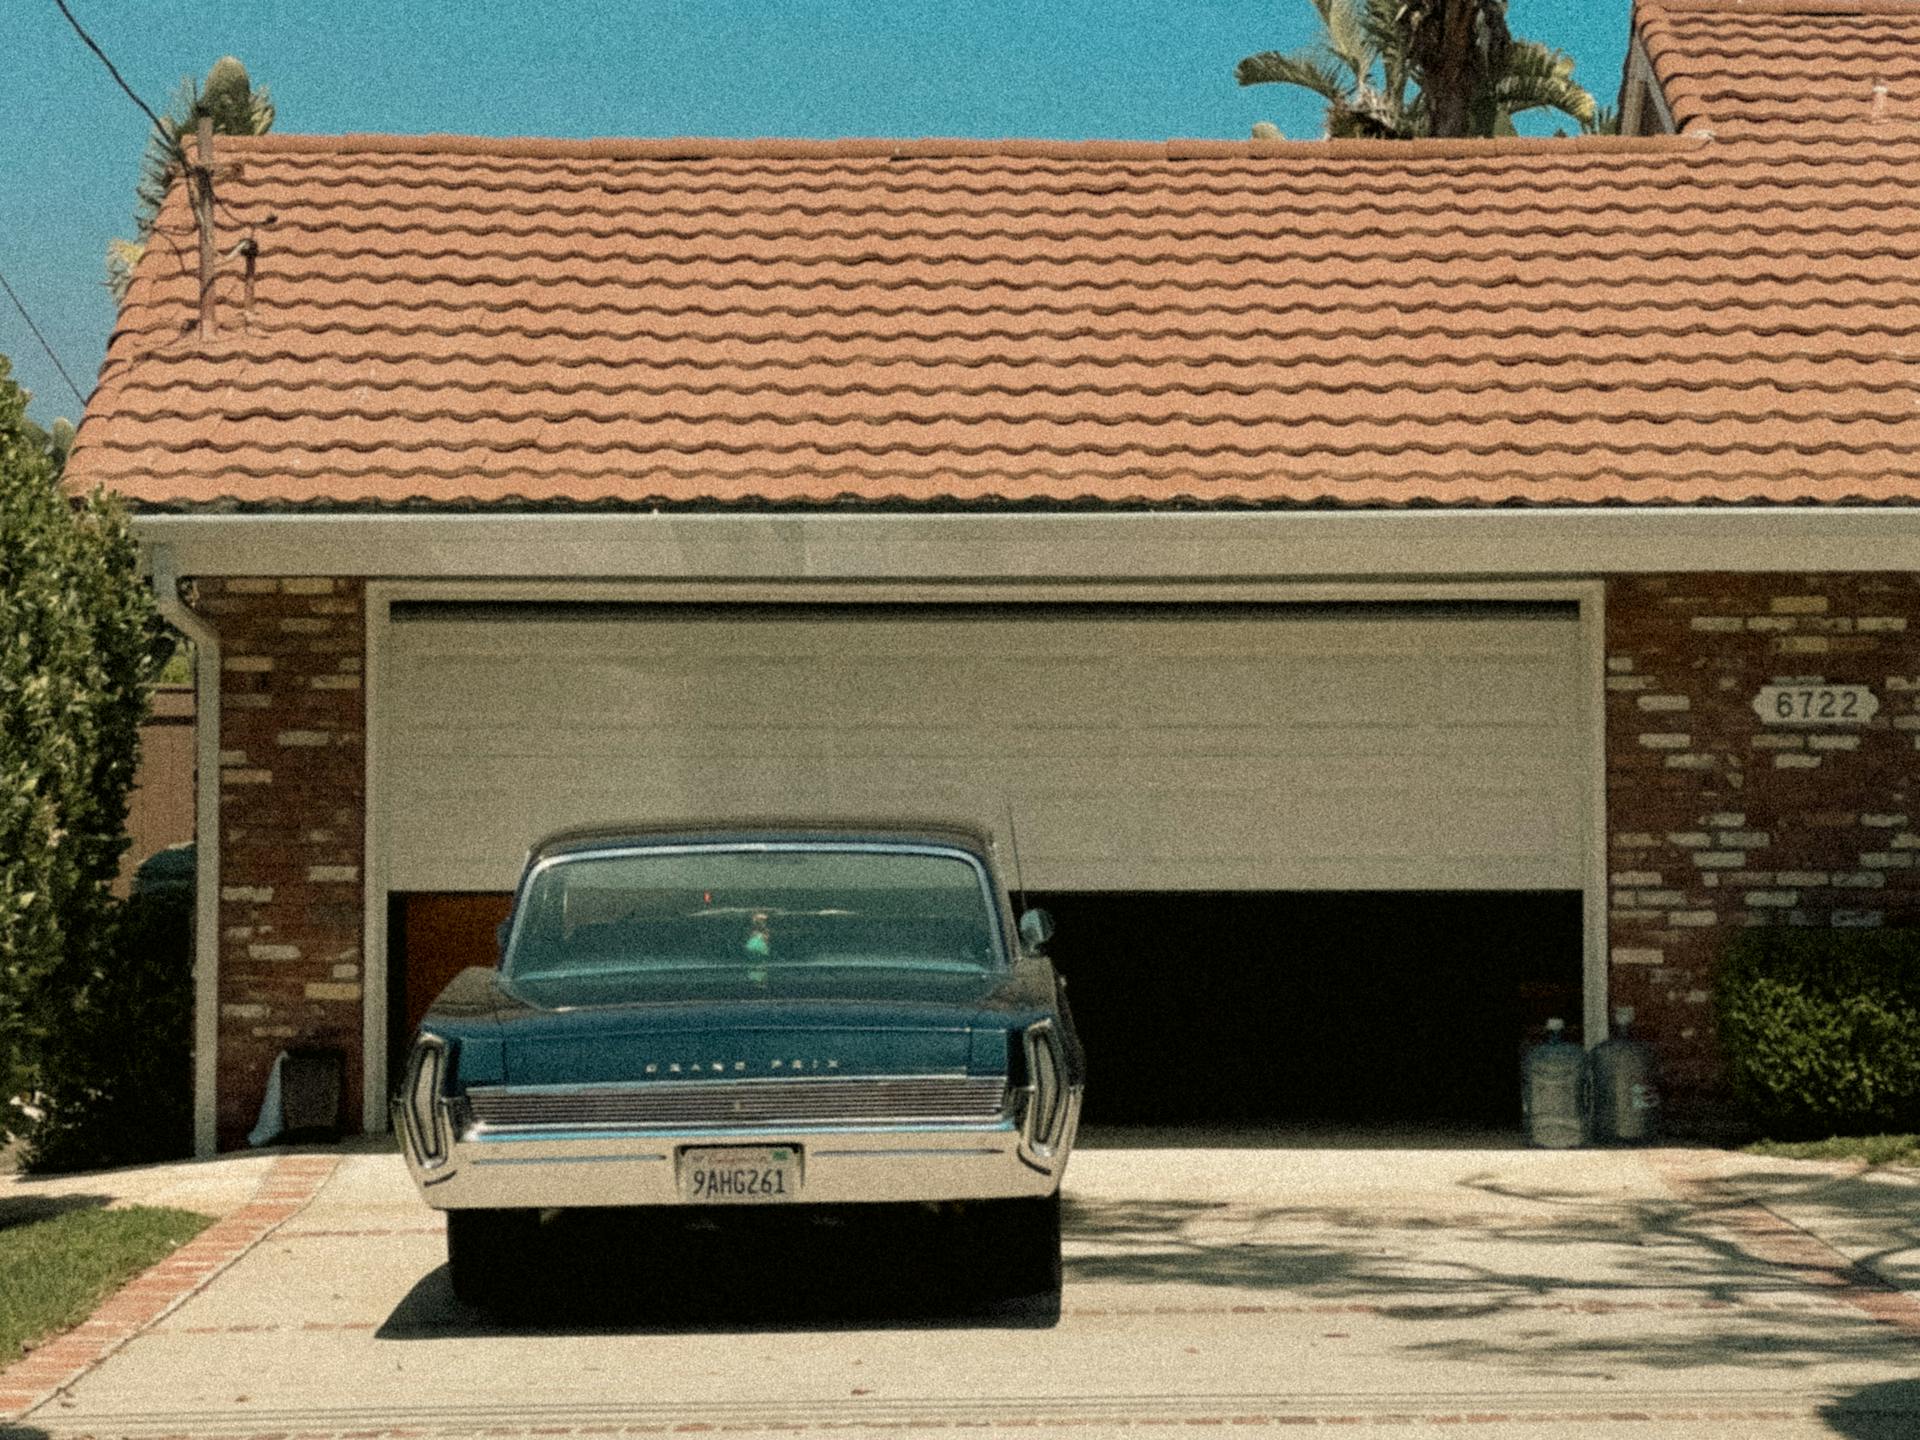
x=285, y=1190
x=1771, y=1236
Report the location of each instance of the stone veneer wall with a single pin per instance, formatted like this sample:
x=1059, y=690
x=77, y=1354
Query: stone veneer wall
x=1716, y=821
x=292, y=814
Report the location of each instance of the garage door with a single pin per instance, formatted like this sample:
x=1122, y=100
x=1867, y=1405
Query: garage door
x=1140, y=748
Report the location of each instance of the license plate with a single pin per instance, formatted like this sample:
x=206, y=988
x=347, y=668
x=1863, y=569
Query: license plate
x=740, y=1175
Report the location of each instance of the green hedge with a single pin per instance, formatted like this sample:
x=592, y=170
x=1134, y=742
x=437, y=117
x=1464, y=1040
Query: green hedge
x=116, y=1076
x=80, y=642
x=1820, y=1029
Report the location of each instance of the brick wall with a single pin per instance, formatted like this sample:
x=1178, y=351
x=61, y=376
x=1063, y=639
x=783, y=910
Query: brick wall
x=1717, y=821
x=292, y=807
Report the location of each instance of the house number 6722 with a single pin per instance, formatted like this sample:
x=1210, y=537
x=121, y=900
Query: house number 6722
x=1815, y=704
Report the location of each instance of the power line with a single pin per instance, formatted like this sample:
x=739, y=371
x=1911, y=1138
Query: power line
x=43, y=339
x=78, y=30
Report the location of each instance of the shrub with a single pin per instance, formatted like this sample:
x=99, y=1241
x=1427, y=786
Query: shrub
x=116, y=1075
x=1821, y=1029
x=79, y=645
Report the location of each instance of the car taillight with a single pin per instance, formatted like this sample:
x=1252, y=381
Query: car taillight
x=1046, y=1105
x=423, y=1100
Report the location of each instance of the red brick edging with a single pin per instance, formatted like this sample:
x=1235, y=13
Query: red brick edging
x=1773, y=1238
x=283, y=1192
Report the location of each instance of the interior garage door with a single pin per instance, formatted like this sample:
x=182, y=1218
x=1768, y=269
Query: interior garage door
x=1141, y=748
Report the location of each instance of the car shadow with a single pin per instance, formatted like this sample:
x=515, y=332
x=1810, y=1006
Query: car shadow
x=1887, y=1411
x=639, y=1272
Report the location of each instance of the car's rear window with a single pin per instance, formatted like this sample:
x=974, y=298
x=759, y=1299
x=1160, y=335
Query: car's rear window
x=751, y=910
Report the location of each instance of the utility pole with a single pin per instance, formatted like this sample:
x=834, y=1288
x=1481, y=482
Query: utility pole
x=201, y=192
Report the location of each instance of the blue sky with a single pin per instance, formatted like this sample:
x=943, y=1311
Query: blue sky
x=1066, y=69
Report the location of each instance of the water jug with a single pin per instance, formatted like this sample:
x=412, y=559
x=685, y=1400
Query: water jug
x=1553, y=1091
x=1626, y=1095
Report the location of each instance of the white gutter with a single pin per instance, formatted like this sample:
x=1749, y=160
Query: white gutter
x=1051, y=546
x=206, y=836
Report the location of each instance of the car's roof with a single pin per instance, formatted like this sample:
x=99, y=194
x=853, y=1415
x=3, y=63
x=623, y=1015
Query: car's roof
x=601, y=837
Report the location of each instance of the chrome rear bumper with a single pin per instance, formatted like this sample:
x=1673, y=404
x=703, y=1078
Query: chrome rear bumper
x=550, y=1168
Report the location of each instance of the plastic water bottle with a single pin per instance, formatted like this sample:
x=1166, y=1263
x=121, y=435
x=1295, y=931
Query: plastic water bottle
x=1553, y=1091
x=1626, y=1092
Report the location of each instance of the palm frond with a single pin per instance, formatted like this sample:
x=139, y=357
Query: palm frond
x=123, y=256
x=1302, y=68
x=1538, y=78
x=1361, y=121
x=1350, y=39
x=1389, y=42
x=235, y=106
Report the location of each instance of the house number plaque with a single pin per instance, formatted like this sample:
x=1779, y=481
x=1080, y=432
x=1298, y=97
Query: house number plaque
x=1815, y=704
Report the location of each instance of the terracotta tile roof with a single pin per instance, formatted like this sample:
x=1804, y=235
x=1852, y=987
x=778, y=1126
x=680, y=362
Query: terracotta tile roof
x=1743, y=67
x=461, y=321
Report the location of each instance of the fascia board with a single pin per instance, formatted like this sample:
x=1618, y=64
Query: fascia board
x=1017, y=547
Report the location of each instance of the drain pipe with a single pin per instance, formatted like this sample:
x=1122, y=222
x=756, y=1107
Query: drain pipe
x=206, y=847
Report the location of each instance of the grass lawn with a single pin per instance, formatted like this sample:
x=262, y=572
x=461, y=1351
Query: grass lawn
x=1873, y=1149
x=55, y=1270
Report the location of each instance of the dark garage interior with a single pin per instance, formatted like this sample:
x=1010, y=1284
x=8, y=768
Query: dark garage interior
x=1349, y=1008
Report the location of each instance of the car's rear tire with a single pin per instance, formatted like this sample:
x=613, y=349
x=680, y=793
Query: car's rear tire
x=488, y=1253
x=1020, y=1252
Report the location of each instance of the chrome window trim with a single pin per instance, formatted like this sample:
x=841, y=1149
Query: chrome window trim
x=594, y=1086
x=988, y=891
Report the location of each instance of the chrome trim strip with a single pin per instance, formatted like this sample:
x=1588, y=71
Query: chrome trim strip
x=594, y=1087
x=528, y=1135
x=866, y=1101
x=559, y=1159
x=980, y=1163
x=897, y=1154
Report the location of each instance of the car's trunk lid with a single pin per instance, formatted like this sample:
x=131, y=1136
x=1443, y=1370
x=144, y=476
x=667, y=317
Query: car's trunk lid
x=572, y=1030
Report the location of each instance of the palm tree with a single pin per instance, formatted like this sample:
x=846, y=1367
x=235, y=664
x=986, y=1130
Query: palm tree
x=1470, y=76
x=235, y=106
x=1359, y=67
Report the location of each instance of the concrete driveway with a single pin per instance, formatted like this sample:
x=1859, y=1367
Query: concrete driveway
x=1396, y=1290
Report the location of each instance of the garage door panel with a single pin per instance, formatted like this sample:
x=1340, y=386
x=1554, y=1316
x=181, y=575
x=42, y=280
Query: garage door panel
x=1405, y=822
x=911, y=704
x=1535, y=750
x=1179, y=631
x=1285, y=783
x=1185, y=749
x=1007, y=690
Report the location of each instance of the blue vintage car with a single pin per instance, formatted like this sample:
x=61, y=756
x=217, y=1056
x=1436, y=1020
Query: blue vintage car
x=751, y=1016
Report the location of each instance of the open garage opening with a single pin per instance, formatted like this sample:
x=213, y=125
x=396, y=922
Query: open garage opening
x=1350, y=1008
x=1311, y=858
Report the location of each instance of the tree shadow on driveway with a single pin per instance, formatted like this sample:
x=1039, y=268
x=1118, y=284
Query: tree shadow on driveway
x=633, y=1272
x=1532, y=1271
